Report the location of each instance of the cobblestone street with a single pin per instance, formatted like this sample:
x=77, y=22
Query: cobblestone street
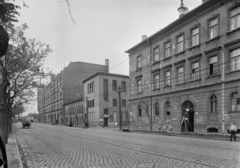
x=53, y=146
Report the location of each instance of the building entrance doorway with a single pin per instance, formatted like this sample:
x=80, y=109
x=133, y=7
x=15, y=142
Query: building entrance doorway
x=105, y=122
x=188, y=112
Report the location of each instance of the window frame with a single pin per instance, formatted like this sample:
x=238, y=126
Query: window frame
x=167, y=48
x=139, y=62
x=183, y=43
x=156, y=108
x=183, y=76
x=236, y=59
x=193, y=62
x=114, y=88
x=155, y=83
x=156, y=54
x=217, y=17
x=139, y=111
x=191, y=36
x=213, y=104
x=237, y=102
x=165, y=78
x=139, y=87
x=229, y=17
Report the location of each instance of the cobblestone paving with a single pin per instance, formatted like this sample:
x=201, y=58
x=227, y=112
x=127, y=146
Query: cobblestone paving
x=51, y=146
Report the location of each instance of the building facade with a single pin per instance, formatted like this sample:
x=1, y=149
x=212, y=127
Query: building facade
x=65, y=88
x=189, y=70
x=101, y=94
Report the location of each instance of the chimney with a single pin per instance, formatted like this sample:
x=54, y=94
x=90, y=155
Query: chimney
x=107, y=64
x=144, y=37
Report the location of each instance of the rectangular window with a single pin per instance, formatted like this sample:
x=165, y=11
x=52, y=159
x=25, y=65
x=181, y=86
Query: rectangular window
x=114, y=85
x=235, y=59
x=156, y=54
x=139, y=85
x=156, y=81
x=180, y=44
x=180, y=75
x=213, y=65
x=167, y=78
x=139, y=62
x=234, y=18
x=123, y=86
x=167, y=50
x=105, y=90
x=213, y=28
x=195, y=71
x=114, y=102
x=123, y=103
x=105, y=112
x=90, y=87
x=195, y=36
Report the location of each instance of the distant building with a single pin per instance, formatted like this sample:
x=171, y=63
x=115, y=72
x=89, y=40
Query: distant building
x=65, y=88
x=191, y=69
x=74, y=112
x=102, y=98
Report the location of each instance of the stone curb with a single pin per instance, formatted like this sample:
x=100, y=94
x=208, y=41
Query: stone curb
x=14, y=158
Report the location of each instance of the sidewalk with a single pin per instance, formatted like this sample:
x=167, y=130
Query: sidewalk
x=13, y=156
x=212, y=136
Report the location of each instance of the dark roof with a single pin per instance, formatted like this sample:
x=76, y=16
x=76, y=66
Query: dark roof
x=191, y=15
x=76, y=100
x=105, y=74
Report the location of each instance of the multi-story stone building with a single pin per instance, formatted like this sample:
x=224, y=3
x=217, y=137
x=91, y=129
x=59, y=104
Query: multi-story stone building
x=101, y=93
x=189, y=69
x=65, y=88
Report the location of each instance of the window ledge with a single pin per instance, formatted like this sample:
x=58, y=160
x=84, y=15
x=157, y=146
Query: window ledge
x=194, y=47
x=155, y=62
x=180, y=84
x=215, y=38
x=166, y=58
x=195, y=80
x=182, y=52
x=233, y=71
x=234, y=112
x=138, y=69
x=167, y=86
x=229, y=32
x=213, y=75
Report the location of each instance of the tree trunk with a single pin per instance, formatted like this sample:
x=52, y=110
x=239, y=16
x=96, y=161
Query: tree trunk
x=3, y=126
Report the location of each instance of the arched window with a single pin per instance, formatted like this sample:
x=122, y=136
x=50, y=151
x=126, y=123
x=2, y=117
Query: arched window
x=167, y=107
x=156, y=109
x=213, y=104
x=139, y=111
x=235, y=101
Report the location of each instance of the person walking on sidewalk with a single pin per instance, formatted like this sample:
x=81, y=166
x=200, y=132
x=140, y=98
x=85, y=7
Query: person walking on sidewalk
x=83, y=125
x=233, y=130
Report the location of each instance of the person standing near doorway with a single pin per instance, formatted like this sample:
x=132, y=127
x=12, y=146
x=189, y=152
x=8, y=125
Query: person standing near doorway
x=83, y=125
x=233, y=130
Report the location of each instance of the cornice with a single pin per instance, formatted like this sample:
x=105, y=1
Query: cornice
x=212, y=50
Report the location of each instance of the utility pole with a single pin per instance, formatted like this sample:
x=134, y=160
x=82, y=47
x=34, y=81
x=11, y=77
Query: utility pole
x=223, y=88
x=120, y=106
x=86, y=112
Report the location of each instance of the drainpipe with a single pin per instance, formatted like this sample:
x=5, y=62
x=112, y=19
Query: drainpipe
x=223, y=88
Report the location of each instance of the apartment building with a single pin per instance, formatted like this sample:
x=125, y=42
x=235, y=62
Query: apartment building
x=65, y=88
x=189, y=70
x=101, y=94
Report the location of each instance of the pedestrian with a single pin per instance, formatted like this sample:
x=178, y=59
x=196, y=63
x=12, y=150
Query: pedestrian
x=83, y=125
x=233, y=130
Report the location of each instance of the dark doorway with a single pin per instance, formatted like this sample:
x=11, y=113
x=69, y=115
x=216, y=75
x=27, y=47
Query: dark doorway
x=188, y=111
x=105, y=122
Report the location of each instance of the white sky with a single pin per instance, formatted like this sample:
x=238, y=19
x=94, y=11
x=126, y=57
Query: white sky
x=105, y=28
